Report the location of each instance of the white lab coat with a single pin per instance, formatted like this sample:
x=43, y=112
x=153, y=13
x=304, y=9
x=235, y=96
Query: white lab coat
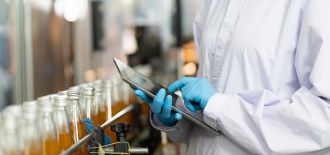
x=269, y=61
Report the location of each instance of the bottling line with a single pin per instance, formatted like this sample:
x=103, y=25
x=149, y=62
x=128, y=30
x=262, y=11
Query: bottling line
x=75, y=121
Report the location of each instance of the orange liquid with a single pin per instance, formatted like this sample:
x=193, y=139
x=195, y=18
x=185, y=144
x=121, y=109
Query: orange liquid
x=145, y=109
x=33, y=148
x=95, y=120
x=12, y=152
x=65, y=141
x=103, y=115
x=50, y=146
x=132, y=98
x=83, y=150
x=78, y=131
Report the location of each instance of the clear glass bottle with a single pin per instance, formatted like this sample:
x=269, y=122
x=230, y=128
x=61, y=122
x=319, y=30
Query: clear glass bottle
x=46, y=125
x=29, y=130
x=100, y=105
x=107, y=98
x=117, y=102
x=61, y=121
x=11, y=142
x=88, y=105
x=77, y=125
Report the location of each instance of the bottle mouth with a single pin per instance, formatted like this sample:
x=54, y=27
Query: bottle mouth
x=29, y=106
x=89, y=91
x=60, y=100
x=45, y=103
x=73, y=96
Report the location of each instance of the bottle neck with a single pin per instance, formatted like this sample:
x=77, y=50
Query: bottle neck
x=88, y=106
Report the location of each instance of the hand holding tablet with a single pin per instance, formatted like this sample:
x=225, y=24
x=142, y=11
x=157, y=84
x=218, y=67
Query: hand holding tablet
x=150, y=88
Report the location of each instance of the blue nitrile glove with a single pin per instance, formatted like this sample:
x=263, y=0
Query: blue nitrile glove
x=196, y=92
x=90, y=126
x=161, y=105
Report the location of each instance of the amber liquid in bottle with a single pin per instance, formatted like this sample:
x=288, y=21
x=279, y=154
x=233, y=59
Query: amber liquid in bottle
x=103, y=115
x=33, y=148
x=12, y=152
x=78, y=131
x=65, y=140
x=50, y=146
x=95, y=120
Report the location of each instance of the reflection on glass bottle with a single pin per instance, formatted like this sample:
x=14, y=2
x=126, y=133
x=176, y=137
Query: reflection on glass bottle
x=61, y=122
x=46, y=126
x=10, y=140
x=29, y=130
x=77, y=126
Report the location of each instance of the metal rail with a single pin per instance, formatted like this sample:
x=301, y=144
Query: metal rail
x=81, y=142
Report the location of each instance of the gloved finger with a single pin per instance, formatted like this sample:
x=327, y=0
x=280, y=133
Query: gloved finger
x=177, y=85
x=167, y=107
x=189, y=105
x=143, y=96
x=158, y=102
x=178, y=116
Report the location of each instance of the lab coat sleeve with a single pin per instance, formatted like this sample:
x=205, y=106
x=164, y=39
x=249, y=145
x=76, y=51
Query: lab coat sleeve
x=263, y=123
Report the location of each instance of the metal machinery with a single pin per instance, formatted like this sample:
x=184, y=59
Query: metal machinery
x=120, y=147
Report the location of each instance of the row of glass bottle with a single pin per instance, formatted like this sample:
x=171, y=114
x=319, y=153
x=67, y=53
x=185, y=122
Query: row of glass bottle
x=54, y=122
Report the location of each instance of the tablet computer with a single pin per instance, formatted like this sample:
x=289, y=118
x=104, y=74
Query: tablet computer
x=150, y=88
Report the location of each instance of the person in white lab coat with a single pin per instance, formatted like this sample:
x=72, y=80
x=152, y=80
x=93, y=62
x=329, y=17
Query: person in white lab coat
x=264, y=79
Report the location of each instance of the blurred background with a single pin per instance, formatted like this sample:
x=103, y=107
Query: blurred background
x=50, y=45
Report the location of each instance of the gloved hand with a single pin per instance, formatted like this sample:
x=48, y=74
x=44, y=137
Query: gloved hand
x=196, y=92
x=90, y=126
x=161, y=105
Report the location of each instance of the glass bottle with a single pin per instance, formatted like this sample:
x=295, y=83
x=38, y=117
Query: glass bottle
x=29, y=130
x=46, y=125
x=117, y=102
x=100, y=105
x=107, y=98
x=81, y=91
x=77, y=126
x=88, y=105
x=61, y=121
x=11, y=143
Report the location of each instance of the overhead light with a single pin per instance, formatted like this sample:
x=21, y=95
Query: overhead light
x=73, y=9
